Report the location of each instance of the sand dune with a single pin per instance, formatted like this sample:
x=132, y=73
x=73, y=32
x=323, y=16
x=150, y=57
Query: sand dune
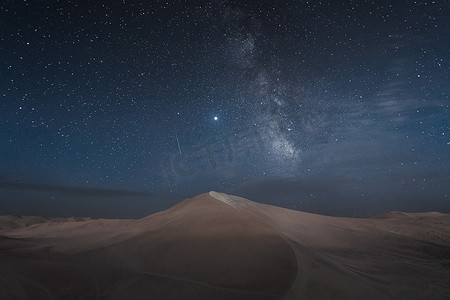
x=217, y=246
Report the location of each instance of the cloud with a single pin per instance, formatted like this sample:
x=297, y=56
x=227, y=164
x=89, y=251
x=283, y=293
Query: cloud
x=71, y=191
x=342, y=195
x=299, y=186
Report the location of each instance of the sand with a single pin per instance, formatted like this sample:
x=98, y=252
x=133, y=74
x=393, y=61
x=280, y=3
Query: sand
x=217, y=246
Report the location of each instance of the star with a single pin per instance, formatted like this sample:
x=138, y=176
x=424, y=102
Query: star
x=283, y=112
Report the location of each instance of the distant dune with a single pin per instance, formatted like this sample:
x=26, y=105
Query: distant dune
x=217, y=246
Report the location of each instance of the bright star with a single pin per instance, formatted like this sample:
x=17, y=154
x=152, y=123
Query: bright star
x=216, y=118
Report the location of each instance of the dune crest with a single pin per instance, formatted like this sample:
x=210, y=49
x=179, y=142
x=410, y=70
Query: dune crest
x=233, y=201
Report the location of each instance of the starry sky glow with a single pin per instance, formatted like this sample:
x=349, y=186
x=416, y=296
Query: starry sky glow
x=121, y=108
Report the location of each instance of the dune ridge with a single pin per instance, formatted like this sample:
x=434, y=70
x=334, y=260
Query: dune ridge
x=219, y=246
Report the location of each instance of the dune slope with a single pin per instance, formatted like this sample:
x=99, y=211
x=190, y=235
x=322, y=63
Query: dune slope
x=217, y=246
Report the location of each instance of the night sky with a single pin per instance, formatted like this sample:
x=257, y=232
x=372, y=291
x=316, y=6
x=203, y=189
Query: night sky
x=123, y=108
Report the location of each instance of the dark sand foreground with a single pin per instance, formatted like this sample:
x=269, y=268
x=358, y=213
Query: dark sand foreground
x=216, y=246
